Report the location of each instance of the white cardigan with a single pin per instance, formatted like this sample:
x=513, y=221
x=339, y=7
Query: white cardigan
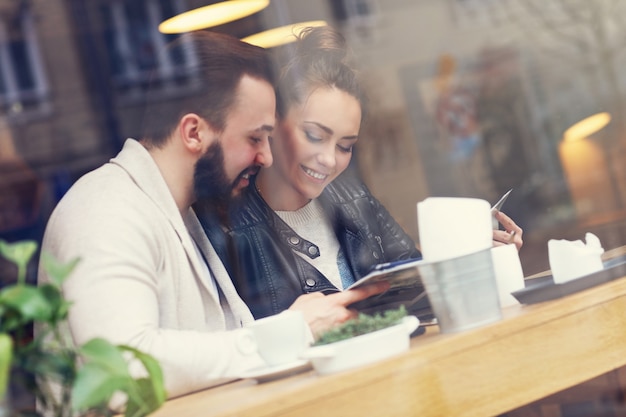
x=140, y=282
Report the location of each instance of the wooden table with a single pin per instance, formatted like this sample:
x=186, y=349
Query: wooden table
x=534, y=351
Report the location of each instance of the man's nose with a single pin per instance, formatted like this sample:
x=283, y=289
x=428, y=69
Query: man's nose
x=264, y=155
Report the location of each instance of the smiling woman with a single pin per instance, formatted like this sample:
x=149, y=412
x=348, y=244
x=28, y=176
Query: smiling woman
x=305, y=224
x=312, y=146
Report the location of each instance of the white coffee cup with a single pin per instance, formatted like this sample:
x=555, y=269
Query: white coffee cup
x=280, y=338
x=508, y=271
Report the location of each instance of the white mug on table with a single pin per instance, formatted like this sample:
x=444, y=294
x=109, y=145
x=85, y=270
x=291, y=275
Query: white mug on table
x=280, y=338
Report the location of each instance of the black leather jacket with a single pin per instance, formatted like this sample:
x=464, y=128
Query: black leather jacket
x=258, y=248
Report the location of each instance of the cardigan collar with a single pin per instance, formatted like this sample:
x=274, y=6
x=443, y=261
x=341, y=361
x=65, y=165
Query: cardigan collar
x=141, y=167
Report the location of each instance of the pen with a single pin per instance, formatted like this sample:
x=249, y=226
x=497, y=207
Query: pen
x=496, y=208
x=511, y=237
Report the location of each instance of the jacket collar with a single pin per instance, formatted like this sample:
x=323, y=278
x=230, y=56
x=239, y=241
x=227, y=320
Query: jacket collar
x=285, y=232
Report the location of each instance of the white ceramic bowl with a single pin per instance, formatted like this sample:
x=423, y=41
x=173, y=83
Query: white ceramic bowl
x=360, y=350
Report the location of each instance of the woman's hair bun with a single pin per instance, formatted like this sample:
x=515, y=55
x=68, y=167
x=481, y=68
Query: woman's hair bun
x=322, y=42
x=318, y=58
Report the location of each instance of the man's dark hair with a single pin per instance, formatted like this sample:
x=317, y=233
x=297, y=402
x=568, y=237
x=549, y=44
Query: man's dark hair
x=219, y=62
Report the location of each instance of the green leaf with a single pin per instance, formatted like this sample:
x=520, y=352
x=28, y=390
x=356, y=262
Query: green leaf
x=10, y=321
x=156, y=390
x=56, y=270
x=29, y=301
x=6, y=353
x=58, y=306
x=64, y=310
x=55, y=364
x=19, y=253
x=106, y=355
x=94, y=386
x=106, y=371
x=143, y=402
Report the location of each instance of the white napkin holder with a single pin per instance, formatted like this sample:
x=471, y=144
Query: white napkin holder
x=507, y=268
x=450, y=227
x=574, y=259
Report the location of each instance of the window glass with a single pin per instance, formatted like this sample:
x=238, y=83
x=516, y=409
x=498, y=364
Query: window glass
x=23, y=85
x=22, y=65
x=133, y=43
x=466, y=98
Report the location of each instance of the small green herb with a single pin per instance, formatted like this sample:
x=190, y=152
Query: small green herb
x=363, y=324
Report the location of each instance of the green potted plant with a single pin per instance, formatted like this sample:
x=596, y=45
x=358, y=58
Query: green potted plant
x=366, y=339
x=66, y=380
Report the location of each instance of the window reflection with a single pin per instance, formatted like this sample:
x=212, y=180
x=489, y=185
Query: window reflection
x=73, y=75
x=521, y=76
x=133, y=41
x=22, y=80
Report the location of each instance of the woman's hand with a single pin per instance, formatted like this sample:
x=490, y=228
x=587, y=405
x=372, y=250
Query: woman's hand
x=323, y=312
x=512, y=233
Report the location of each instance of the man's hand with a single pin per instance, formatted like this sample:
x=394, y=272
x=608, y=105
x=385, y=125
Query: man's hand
x=512, y=233
x=323, y=312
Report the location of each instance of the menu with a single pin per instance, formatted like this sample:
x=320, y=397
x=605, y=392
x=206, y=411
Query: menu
x=406, y=288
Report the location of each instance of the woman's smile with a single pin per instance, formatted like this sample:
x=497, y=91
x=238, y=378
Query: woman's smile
x=320, y=177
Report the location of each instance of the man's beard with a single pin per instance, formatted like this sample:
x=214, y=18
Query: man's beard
x=212, y=189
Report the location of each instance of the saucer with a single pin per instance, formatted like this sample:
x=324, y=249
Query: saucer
x=269, y=373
